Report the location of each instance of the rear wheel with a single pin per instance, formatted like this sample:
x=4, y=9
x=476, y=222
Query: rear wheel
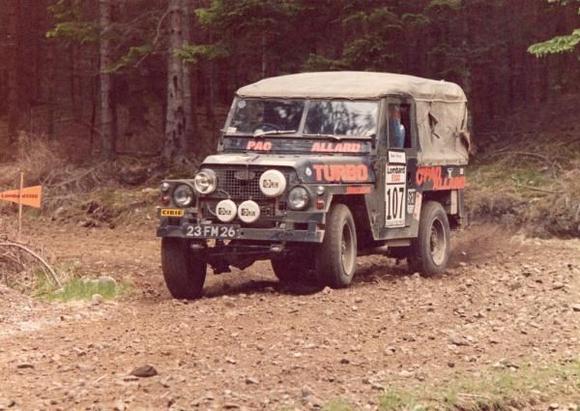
x=336, y=257
x=184, y=272
x=429, y=252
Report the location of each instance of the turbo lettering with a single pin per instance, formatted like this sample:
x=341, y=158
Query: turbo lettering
x=434, y=176
x=259, y=145
x=341, y=172
x=336, y=148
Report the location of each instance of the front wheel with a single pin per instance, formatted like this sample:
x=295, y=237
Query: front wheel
x=183, y=271
x=336, y=256
x=429, y=252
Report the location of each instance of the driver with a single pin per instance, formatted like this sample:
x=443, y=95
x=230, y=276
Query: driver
x=396, y=128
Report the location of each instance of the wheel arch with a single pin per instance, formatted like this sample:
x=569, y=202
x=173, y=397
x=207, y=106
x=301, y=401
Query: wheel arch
x=358, y=207
x=452, y=202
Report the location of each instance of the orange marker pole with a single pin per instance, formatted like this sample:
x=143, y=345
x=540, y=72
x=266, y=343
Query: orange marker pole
x=20, y=206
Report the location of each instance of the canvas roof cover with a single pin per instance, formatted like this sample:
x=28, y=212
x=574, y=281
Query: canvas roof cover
x=352, y=85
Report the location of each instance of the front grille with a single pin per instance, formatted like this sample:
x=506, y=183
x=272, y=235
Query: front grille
x=241, y=183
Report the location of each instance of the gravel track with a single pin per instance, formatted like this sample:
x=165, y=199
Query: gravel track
x=250, y=344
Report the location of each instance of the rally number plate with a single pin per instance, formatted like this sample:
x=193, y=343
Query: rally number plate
x=220, y=231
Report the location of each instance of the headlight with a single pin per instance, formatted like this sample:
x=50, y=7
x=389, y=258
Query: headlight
x=298, y=198
x=183, y=195
x=205, y=181
x=272, y=183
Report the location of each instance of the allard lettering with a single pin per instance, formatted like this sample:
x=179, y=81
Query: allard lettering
x=336, y=147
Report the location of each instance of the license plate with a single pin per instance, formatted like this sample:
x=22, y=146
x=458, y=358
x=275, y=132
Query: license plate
x=220, y=231
x=171, y=212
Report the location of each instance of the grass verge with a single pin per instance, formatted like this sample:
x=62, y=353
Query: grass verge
x=77, y=289
x=525, y=388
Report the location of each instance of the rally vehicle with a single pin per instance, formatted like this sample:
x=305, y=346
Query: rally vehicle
x=315, y=169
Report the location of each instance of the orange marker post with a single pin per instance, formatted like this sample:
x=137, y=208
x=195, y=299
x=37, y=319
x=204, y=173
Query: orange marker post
x=23, y=196
x=20, y=206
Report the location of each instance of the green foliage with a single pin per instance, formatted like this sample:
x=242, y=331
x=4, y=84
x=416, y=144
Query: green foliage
x=337, y=405
x=394, y=400
x=70, y=24
x=414, y=20
x=316, y=62
x=134, y=54
x=251, y=15
x=193, y=53
x=496, y=389
x=442, y=4
x=84, y=289
x=82, y=32
x=556, y=45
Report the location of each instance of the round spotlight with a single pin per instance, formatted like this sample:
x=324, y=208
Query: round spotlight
x=249, y=211
x=226, y=211
x=272, y=183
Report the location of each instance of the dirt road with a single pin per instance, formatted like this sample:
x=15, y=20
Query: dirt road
x=251, y=345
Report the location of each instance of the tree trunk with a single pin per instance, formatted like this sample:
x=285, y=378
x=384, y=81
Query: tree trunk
x=175, y=120
x=187, y=95
x=106, y=82
x=14, y=103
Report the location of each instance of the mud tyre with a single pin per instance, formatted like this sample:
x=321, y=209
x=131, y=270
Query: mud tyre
x=336, y=256
x=429, y=252
x=183, y=271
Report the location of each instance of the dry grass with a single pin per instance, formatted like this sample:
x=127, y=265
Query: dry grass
x=36, y=157
x=529, y=177
x=528, y=387
x=90, y=194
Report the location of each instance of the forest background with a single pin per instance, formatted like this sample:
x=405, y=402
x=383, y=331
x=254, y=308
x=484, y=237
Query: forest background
x=100, y=81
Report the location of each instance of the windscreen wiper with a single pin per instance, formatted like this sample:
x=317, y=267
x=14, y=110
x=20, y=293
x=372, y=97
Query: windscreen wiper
x=338, y=138
x=332, y=136
x=273, y=132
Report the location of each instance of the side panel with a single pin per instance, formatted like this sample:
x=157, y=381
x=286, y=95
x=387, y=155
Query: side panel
x=396, y=202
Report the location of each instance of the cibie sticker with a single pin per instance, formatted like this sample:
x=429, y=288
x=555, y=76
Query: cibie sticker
x=397, y=157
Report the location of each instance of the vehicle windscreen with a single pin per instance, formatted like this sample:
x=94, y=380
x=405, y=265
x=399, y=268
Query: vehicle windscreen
x=257, y=116
x=343, y=118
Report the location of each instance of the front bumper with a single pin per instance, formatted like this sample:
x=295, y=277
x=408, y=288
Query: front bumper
x=311, y=235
